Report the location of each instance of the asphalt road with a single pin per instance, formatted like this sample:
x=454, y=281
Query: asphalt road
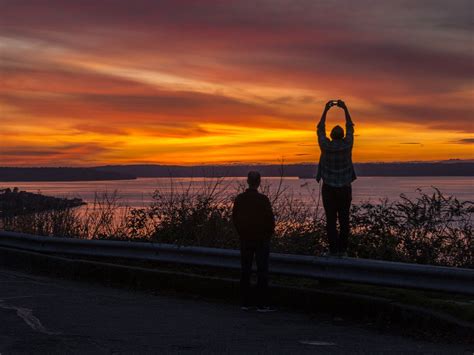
x=54, y=316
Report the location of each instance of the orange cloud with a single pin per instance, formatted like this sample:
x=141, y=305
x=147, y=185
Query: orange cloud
x=198, y=82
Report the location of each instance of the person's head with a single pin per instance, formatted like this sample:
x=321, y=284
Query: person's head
x=337, y=133
x=253, y=179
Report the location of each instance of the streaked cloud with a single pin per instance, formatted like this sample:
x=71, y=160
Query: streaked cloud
x=465, y=141
x=216, y=81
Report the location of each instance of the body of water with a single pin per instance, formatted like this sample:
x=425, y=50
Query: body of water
x=138, y=193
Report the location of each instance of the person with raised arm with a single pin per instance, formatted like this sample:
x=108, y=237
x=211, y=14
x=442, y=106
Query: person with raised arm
x=336, y=170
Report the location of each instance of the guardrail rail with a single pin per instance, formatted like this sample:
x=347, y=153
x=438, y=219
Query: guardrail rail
x=376, y=272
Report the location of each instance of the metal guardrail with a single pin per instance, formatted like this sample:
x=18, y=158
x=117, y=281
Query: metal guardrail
x=383, y=273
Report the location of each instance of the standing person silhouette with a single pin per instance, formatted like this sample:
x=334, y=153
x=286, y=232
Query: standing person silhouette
x=337, y=172
x=253, y=218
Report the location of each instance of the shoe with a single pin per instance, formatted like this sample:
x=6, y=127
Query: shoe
x=265, y=309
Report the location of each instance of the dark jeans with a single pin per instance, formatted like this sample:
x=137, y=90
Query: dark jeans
x=261, y=250
x=337, y=205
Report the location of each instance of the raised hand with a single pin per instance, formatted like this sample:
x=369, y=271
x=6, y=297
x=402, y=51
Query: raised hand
x=329, y=104
x=341, y=104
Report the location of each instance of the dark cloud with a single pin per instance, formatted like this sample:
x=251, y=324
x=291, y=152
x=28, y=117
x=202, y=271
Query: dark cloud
x=179, y=14
x=359, y=49
x=464, y=141
x=55, y=151
x=28, y=152
x=292, y=100
x=434, y=115
x=301, y=34
x=416, y=62
x=101, y=129
x=41, y=76
x=135, y=108
x=263, y=16
x=252, y=143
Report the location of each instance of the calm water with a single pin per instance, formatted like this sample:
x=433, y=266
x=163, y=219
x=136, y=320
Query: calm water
x=138, y=193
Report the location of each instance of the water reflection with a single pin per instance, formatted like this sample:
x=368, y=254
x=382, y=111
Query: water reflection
x=138, y=193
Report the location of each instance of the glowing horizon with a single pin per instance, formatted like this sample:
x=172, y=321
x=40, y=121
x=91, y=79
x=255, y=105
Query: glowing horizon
x=180, y=82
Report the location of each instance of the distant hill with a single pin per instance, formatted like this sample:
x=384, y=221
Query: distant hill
x=416, y=169
x=126, y=172
x=61, y=174
x=449, y=168
x=207, y=170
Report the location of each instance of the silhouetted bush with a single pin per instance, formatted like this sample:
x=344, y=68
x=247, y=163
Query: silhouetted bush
x=103, y=218
x=429, y=229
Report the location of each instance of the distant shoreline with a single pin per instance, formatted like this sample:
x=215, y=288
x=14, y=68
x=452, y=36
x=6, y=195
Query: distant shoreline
x=14, y=202
x=303, y=171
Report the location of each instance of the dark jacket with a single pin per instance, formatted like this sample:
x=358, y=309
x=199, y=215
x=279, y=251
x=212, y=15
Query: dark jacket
x=253, y=216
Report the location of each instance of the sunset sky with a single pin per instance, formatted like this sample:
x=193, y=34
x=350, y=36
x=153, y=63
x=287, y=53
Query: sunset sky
x=96, y=82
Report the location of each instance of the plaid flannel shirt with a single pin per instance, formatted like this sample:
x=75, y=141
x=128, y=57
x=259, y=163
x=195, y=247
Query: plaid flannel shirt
x=335, y=164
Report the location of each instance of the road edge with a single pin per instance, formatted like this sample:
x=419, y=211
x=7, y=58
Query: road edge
x=376, y=309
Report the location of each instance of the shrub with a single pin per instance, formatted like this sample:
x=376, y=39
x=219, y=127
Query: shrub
x=429, y=229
